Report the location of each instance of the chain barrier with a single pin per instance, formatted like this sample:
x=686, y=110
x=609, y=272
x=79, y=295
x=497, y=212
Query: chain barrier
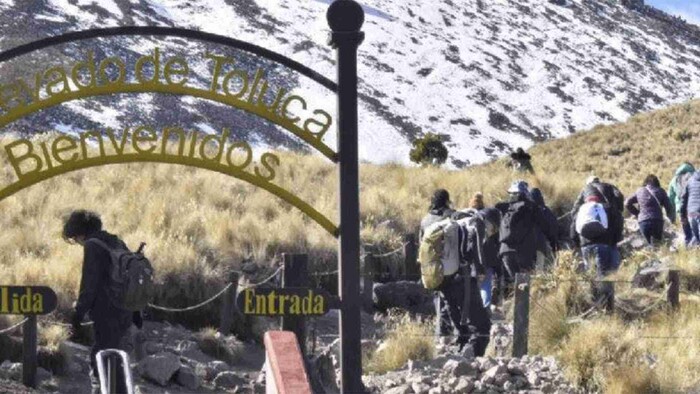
x=8, y=329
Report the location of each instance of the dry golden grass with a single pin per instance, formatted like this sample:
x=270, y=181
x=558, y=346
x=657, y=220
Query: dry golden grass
x=406, y=339
x=198, y=224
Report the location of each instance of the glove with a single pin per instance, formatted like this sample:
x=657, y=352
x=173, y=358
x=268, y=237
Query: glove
x=137, y=319
x=75, y=322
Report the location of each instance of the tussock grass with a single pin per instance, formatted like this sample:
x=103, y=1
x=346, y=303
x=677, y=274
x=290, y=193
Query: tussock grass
x=407, y=339
x=219, y=347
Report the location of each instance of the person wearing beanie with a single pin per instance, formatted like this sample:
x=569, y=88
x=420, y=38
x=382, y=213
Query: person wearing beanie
x=547, y=236
x=676, y=190
x=648, y=204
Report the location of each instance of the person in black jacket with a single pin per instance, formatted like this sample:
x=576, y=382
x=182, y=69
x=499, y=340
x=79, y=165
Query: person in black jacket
x=521, y=219
x=613, y=200
x=111, y=324
x=546, y=237
x=521, y=161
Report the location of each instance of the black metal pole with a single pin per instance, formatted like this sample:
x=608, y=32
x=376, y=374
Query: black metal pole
x=29, y=354
x=345, y=18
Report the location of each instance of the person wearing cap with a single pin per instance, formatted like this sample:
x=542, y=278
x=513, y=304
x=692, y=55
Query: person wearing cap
x=439, y=209
x=520, y=221
x=647, y=204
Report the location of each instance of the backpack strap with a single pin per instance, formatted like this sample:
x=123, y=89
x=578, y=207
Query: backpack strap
x=655, y=199
x=99, y=242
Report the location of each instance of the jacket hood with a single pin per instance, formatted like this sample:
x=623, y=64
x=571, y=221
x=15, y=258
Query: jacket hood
x=696, y=176
x=684, y=168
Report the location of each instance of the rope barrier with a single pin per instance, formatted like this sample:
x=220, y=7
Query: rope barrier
x=393, y=252
x=8, y=329
x=193, y=307
x=264, y=281
x=658, y=302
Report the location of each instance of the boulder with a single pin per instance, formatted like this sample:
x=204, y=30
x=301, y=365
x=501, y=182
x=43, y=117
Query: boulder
x=229, y=380
x=420, y=388
x=409, y=296
x=10, y=370
x=160, y=367
x=42, y=375
x=492, y=373
x=186, y=377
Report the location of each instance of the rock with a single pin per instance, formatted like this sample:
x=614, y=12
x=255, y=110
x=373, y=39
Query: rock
x=42, y=375
x=186, y=377
x=459, y=368
x=485, y=363
x=501, y=379
x=420, y=388
x=509, y=386
x=229, y=380
x=533, y=378
x=10, y=370
x=160, y=367
x=410, y=296
x=151, y=347
x=520, y=382
x=323, y=371
x=214, y=368
x=464, y=385
x=405, y=389
x=490, y=375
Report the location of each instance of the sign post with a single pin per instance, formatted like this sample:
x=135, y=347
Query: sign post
x=345, y=18
x=29, y=301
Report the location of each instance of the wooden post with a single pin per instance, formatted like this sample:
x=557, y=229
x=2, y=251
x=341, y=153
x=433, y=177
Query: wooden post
x=607, y=290
x=29, y=354
x=521, y=319
x=674, y=283
x=410, y=253
x=296, y=274
x=368, y=283
x=228, y=306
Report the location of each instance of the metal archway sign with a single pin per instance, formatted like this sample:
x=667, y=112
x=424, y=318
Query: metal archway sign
x=89, y=78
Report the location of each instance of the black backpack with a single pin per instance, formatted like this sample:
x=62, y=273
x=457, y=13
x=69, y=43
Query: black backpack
x=130, y=277
x=515, y=223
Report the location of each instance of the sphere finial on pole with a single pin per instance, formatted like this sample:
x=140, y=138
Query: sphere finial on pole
x=345, y=16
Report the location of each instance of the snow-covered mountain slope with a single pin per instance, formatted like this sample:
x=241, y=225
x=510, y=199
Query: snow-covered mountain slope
x=488, y=75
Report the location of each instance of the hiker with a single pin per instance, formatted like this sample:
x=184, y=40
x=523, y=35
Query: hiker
x=675, y=193
x=546, y=237
x=474, y=229
x=591, y=231
x=521, y=161
x=477, y=201
x=520, y=220
x=614, y=202
x=690, y=207
x=111, y=324
x=491, y=261
x=439, y=210
x=647, y=205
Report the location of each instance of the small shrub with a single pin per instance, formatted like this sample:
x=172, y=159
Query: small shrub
x=429, y=150
x=406, y=340
x=216, y=345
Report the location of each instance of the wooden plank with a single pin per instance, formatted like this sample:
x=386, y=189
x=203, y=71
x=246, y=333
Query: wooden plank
x=29, y=351
x=228, y=305
x=674, y=289
x=296, y=274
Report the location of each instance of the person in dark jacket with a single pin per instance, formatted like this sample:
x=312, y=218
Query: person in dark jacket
x=598, y=251
x=491, y=261
x=690, y=207
x=111, y=324
x=476, y=228
x=614, y=202
x=546, y=237
x=676, y=188
x=439, y=210
x=521, y=161
x=647, y=205
x=608, y=192
x=520, y=221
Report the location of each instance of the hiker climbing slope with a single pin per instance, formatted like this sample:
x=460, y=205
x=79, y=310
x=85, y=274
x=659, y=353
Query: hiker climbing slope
x=647, y=205
x=520, y=161
x=676, y=189
x=690, y=207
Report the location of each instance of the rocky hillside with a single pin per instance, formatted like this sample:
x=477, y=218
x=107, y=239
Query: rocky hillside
x=487, y=75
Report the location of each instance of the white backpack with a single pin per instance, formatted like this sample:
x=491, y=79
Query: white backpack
x=450, y=251
x=592, y=221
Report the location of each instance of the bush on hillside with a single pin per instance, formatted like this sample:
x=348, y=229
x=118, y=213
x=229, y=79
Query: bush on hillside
x=429, y=150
